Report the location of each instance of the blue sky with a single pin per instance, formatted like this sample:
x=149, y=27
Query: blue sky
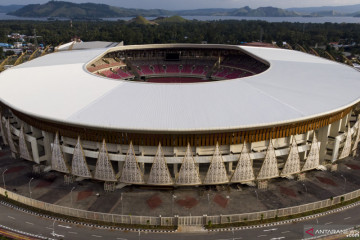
x=193, y=4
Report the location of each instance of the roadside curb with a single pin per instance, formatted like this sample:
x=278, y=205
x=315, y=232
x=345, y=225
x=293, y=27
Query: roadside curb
x=287, y=221
x=83, y=223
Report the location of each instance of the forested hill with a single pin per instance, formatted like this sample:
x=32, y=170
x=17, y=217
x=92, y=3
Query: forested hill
x=91, y=10
x=10, y=8
x=83, y=10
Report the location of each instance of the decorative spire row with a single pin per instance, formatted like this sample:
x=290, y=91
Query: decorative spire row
x=104, y=170
x=357, y=139
x=3, y=133
x=159, y=173
x=23, y=148
x=189, y=172
x=313, y=158
x=347, y=145
x=79, y=166
x=10, y=139
x=269, y=168
x=292, y=164
x=217, y=171
x=244, y=171
x=58, y=162
x=131, y=172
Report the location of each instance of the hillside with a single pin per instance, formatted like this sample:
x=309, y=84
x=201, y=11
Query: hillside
x=61, y=9
x=82, y=10
x=340, y=9
x=263, y=12
x=140, y=20
x=172, y=19
x=10, y=8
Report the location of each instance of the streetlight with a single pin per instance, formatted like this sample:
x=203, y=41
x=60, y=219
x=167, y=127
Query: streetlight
x=121, y=198
x=30, y=186
x=53, y=233
x=257, y=196
x=305, y=189
x=208, y=197
x=4, y=178
x=71, y=199
x=172, y=206
x=345, y=182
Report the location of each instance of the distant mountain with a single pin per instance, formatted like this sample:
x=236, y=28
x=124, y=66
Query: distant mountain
x=205, y=12
x=61, y=9
x=10, y=8
x=244, y=12
x=263, y=12
x=341, y=9
x=82, y=10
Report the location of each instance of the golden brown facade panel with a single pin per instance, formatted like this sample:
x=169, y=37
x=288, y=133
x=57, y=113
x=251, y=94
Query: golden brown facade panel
x=177, y=139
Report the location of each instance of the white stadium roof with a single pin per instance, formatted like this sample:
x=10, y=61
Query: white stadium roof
x=296, y=87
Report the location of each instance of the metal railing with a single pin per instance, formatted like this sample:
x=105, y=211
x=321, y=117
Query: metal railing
x=178, y=220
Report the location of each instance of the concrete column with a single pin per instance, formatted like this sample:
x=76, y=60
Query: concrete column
x=35, y=151
x=120, y=165
x=344, y=123
x=48, y=140
x=322, y=136
x=336, y=149
x=335, y=128
x=230, y=165
x=306, y=141
x=175, y=166
x=142, y=167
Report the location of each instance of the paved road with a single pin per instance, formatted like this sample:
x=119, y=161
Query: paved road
x=36, y=225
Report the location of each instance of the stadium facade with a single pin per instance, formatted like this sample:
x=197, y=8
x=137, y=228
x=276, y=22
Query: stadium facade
x=180, y=114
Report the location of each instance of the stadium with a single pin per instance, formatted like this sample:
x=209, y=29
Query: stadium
x=180, y=114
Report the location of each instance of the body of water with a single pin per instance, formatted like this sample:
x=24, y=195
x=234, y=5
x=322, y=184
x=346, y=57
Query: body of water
x=3, y=16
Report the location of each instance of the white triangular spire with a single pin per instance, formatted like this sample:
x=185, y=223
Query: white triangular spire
x=189, y=173
x=216, y=173
x=244, y=171
x=3, y=133
x=57, y=157
x=159, y=173
x=269, y=168
x=23, y=148
x=347, y=145
x=104, y=170
x=313, y=158
x=357, y=139
x=292, y=164
x=79, y=166
x=131, y=172
x=10, y=139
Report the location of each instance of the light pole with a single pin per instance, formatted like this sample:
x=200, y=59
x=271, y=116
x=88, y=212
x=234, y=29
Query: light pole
x=71, y=199
x=4, y=178
x=30, y=186
x=345, y=182
x=172, y=206
x=122, y=206
x=53, y=233
x=208, y=197
x=305, y=189
x=257, y=197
